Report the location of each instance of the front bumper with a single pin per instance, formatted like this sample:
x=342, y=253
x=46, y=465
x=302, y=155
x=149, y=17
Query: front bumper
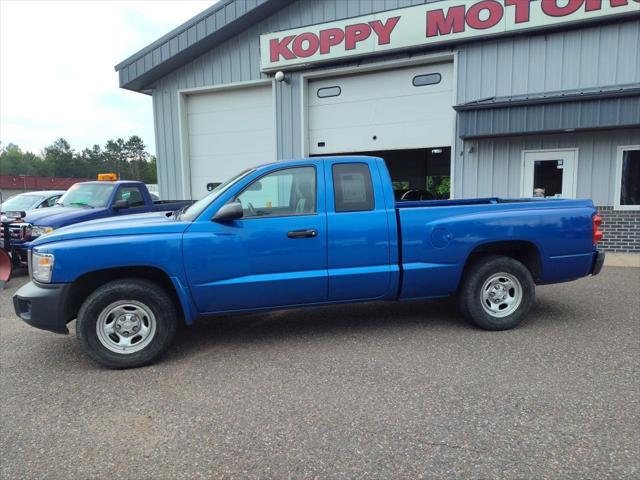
x=598, y=262
x=43, y=306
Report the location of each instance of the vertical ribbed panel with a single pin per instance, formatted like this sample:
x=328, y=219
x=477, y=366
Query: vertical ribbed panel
x=581, y=58
x=238, y=60
x=492, y=167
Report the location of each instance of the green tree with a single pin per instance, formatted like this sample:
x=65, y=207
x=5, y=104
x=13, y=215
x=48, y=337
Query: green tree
x=59, y=156
x=130, y=160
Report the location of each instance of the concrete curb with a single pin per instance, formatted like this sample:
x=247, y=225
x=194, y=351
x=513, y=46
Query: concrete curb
x=622, y=260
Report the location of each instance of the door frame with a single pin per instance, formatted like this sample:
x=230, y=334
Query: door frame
x=183, y=122
x=618, y=178
x=550, y=152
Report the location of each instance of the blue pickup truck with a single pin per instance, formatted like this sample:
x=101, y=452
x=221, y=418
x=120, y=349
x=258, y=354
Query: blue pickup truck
x=300, y=233
x=82, y=202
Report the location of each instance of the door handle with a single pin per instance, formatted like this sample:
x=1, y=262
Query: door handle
x=309, y=233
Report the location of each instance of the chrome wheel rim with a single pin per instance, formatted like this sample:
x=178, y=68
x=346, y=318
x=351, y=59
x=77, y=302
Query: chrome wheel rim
x=126, y=326
x=501, y=295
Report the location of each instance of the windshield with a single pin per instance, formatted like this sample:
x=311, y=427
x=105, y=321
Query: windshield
x=197, y=208
x=87, y=194
x=21, y=202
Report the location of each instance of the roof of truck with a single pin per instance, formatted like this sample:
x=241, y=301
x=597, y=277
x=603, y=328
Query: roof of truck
x=115, y=182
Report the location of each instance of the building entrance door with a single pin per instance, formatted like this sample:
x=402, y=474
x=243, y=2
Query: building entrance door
x=549, y=173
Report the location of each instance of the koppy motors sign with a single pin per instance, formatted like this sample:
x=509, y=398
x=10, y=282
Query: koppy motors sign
x=430, y=24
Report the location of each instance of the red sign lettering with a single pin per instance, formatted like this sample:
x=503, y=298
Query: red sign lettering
x=355, y=33
x=280, y=47
x=329, y=38
x=439, y=23
x=551, y=7
x=311, y=47
x=473, y=14
x=468, y=17
x=383, y=30
x=523, y=9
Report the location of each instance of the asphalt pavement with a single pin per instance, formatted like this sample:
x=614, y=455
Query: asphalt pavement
x=360, y=391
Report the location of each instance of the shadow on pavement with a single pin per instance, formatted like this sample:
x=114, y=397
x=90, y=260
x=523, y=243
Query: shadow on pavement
x=316, y=323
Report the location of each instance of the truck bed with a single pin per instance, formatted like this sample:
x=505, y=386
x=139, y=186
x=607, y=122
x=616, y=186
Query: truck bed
x=437, y=236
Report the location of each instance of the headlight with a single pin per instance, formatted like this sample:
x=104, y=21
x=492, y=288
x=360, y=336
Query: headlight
x=37, y=231
x=42, y=266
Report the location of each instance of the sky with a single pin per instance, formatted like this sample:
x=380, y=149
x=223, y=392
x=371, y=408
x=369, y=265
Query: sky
x=56, y=68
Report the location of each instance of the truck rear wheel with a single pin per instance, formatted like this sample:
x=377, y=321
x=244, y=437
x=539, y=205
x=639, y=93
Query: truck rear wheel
x=497, y=292
x=126, y=323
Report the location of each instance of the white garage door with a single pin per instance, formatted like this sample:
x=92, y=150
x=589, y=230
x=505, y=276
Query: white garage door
x=387, y=110
x=228, y=131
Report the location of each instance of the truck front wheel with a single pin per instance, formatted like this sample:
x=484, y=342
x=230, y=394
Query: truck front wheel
x=126, y=323
x=496, y=293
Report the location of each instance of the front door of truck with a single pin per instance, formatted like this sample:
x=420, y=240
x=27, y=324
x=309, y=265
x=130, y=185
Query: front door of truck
x=358, y=232
x=275, y=255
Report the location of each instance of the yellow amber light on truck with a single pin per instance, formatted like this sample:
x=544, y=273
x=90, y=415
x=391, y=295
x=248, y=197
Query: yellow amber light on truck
x=107, y=177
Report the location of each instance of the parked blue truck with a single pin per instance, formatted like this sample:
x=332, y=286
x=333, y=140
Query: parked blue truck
x=84, y=201
x=300, y=233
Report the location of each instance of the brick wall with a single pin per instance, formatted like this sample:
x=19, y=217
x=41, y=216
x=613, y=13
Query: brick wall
x=621, y=230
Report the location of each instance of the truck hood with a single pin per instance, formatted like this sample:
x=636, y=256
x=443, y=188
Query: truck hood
x=137, y=224
x=60, y=216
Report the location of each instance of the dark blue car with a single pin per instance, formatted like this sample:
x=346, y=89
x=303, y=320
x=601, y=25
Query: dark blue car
x=85, y=201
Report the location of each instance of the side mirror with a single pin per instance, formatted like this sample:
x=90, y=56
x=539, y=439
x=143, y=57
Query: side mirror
x=229, y=212
x=15, y=214
x=120, y=205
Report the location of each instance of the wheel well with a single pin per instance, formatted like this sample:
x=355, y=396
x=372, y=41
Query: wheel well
x=525, y=252
x=85, y=285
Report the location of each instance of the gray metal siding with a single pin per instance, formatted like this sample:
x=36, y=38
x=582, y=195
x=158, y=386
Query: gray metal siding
x=238, y=60
x=570, y=60
x=608, y=55
x=553, y=117
x=492, y=167
x=188, y=34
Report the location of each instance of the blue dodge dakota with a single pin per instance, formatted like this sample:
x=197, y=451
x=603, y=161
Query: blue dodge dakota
x=300, y=233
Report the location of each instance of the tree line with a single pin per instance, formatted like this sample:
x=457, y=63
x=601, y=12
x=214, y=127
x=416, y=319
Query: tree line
x=129, y=159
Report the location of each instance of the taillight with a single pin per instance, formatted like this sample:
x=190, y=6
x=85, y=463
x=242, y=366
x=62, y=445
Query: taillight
x=596, y=221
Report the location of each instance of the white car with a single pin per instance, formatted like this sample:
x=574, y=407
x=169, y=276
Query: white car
x=27, y=201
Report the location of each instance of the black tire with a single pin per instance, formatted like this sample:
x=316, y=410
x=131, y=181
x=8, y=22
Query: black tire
x=144, y=292
x=470, y=295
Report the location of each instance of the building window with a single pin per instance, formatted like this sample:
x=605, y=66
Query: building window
x=352, y=187
x=428, y=79
x=627, y=195
x=329, y=92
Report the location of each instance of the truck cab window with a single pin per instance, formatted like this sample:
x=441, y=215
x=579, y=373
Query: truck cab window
x=291, y=191
x=352, y=187
x=50, y=202
x=133, y=195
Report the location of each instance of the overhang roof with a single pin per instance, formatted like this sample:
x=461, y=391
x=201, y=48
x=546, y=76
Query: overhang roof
x=191, y=39
x=561, y=96
x=615, y=106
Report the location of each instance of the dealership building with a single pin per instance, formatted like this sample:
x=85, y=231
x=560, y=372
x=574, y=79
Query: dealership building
x=462, y=98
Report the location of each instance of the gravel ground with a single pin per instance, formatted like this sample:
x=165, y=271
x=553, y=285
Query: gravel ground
x=376, y=390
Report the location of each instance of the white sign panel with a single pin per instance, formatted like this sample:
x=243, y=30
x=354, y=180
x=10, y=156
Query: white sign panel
x=424, y=25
